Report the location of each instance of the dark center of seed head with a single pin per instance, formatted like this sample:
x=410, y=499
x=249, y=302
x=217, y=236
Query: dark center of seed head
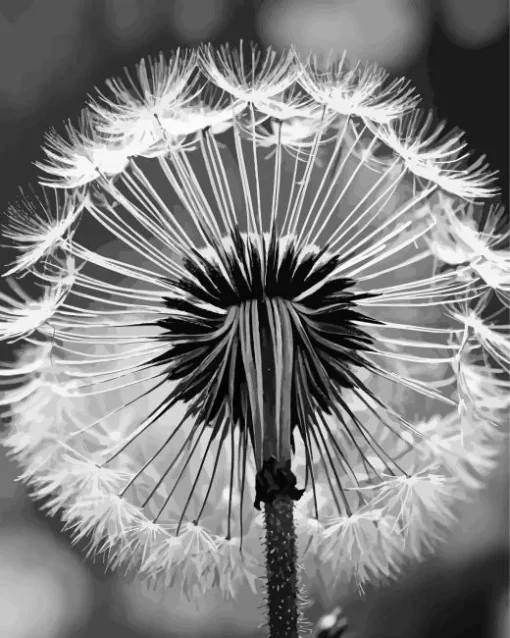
x=230, y=328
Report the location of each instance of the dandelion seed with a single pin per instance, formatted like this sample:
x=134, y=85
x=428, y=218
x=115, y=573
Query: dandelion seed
x=420, y=501
x=439, y=160
x=363, y=543
x=83, y=154
x=23, y=316
x=37, y=227
x=134, y=112
x=234, y=568
x=266, y=75
x=363, y=91
x=494, y=339
x=279, y=315
x=476, y=236
x=444, y=446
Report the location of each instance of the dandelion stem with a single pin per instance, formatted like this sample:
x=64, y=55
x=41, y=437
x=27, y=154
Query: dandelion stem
x=281, y=568
x=275, y=483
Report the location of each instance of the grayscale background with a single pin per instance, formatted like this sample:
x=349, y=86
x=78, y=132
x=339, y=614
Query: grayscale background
x=52, y=54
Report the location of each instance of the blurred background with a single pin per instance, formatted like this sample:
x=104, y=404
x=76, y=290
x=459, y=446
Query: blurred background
x=52, y=54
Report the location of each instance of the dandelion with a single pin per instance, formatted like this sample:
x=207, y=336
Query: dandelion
x=296, y=277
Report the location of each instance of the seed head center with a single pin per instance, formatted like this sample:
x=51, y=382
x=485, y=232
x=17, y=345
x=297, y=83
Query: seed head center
x=236, y=329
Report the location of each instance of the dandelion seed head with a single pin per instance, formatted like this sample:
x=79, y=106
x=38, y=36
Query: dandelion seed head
x=299, y=275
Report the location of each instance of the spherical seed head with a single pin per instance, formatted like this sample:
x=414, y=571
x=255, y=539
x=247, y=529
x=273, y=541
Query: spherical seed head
x=277, y=315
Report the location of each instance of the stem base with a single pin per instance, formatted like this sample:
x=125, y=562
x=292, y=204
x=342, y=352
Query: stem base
x=281, y=568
